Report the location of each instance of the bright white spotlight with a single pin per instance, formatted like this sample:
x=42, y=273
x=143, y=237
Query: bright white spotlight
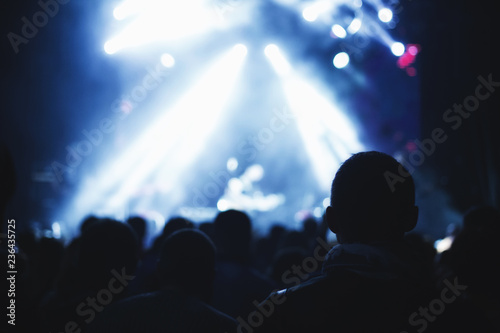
x=175, y=138
x=326, y=202
x=163, y=21
x=339, y=31
x=110, y=47
x=310, y=13
x=167, y=60
x=128, y=8
x=56, y=230
x=280, y=64
x=119, y=13
x=398, y=49
x=222, y=205
x=341, y=60
x=235, y=185
x=354, y=26
x=385, y=15
x=232, y=164
x=240, y=49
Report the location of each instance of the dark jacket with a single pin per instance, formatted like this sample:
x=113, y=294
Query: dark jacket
x=378, y=288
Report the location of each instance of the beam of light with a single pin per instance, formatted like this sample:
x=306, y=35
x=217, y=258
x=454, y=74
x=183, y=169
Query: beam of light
x=161, y=21
x=328, y=135
x=174, y=139
x=278, y=61
x=341, y=60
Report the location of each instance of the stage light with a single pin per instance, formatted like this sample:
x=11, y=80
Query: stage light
x=222, y=205
x=385, y=15
x=167, y=60
x=326, y=202
x=398, y=49
x=310, y=14
x=278, y=61
x=235, y=185
x=162, y=21
x=130, y=7
x=240, y=49
x=339, y=31
x=328, y=135
x=313, y=11
x=354, y=26
x=56, y=230
x=110, y=47
x=341, y=60
x=232, y=164
x=175, y=138
x=413, y=50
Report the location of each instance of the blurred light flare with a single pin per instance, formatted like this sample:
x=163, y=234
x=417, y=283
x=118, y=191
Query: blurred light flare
x=155, y=20
x=354, y=26
x=314, y=10
x=398, y=49
x=385, y=15
x=232, y=164
x=177, y=135
x=339, y=31
x=328, y=135
x=341, y=60
x=167, y=60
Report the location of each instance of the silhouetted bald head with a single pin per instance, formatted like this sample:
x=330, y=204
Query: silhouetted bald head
x=365, y=205
x=233, y=234
x=187, y=260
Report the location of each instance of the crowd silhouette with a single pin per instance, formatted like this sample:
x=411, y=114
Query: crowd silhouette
x=378, y=275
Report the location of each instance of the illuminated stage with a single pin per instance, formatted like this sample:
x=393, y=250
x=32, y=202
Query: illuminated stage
x=203, y=106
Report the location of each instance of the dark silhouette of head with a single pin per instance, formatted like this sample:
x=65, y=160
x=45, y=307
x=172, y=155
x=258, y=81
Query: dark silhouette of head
x=232, y=235
x=176, y=223
x=366, y=205
x=87, y=222
x=138, y=224
x=105, y=246
x=173, y=224
x=187, y=261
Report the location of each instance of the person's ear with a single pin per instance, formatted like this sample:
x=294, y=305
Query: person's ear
x=409, y=221
x=332, y=219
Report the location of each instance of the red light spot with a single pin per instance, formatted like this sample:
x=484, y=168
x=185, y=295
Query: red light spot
x=411, y=146
x=411, y=71
x=413, y=50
